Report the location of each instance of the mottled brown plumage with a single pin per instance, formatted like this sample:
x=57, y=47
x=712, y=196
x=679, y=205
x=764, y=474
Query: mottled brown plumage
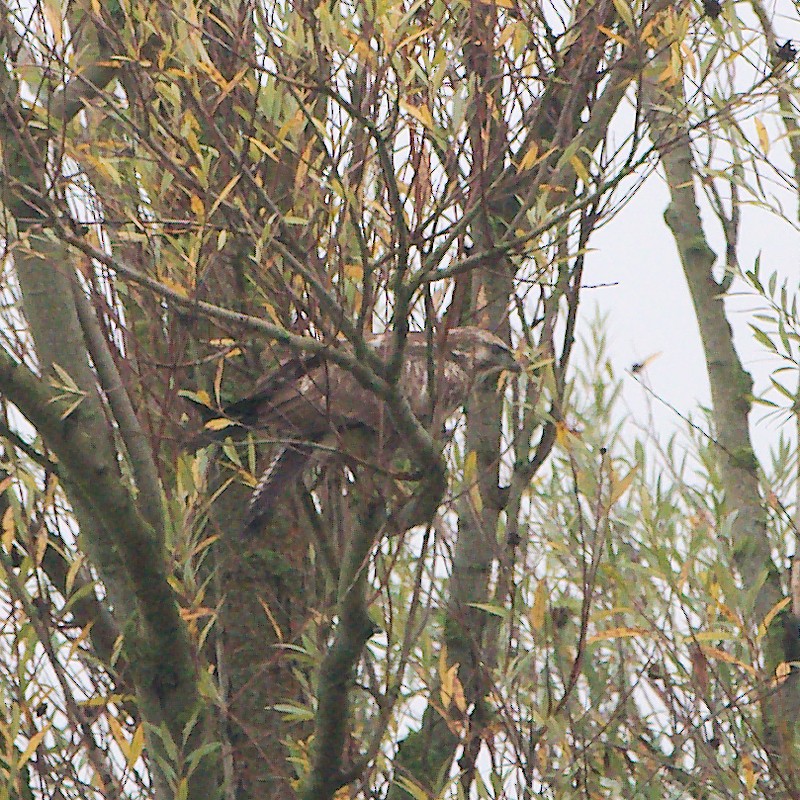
x=307, y=401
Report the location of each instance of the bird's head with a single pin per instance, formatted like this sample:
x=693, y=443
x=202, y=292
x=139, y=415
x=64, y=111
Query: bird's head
x=481, y=353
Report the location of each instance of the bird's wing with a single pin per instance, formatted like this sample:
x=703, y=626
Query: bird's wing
x=272, y=385
x=298, y=400
x=308, y=400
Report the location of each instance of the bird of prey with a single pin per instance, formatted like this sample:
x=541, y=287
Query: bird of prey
x=308, y=401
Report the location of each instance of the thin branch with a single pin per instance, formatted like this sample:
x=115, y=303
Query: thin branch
x=135, y=440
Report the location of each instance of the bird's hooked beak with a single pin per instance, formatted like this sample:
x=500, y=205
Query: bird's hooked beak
x=514, y=365
x=511, y=370
x=511, y=363
x=505, y=368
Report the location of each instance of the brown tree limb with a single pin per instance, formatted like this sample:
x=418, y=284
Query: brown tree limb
x=328, y=771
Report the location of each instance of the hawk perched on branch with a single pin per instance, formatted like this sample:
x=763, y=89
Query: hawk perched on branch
x=309, y=401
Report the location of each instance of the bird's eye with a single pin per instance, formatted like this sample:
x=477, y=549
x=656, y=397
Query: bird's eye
x=500, y=350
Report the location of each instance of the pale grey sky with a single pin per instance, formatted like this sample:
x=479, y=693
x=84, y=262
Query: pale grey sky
x=650, y=310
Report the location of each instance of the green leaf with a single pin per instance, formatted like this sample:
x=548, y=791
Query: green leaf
x=625, y=13
x=294, y=712
x=498, y=611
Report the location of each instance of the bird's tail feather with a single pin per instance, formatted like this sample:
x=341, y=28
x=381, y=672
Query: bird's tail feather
x=283, y=472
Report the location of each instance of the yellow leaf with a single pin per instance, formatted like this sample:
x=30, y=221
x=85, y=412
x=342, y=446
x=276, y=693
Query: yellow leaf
x=247, y=478
x=508, y=31
x=447, y=687
x=198, y=209
x=552, y=187
x=175, y=286
x=763, y=138
x=748, y=773
x=782, y=672
x=647, y=29
x=360, y=46
x=529, y=159
x=668, y=75
x=611, y=35
x=97, y=702
x=79, y=639
x=580, y=169
x=728, y=613
x=707, y=636
x=721, y=655
x=618, y=488
x=40, y=545
x=413, y=36
x=32, y=745
x=685, y=570
x=420, y=113
x=271, y=312
x=536, y=614
x=291, y=124
x=119, y=735
x=52, y=13
x=207, y=542
x=218, y=424
x=218, y=381
x=72, y=572
x=267, y=151
x=470, y=466
x=137, y=745
x=772, y=613
x=9, y=529
x=192, y=142
x=470, y=478
x=302, y=165
x=447, y=676
x=618, y=633
x=475, y=497
x=443, y=669
x=458, y=695
x=563, y=434
x=354, y=271
x=190, y=614
x=271, y=618
x=223, y=194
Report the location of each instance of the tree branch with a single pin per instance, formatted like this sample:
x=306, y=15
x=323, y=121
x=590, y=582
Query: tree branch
x=133, y=437
x=731, y=389
x=334, y=684
x=160, y=654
